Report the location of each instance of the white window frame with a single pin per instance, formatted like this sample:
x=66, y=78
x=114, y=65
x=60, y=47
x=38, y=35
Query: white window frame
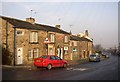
x=75, y=43
x=66, y=39
x=70, y=43
x=37, y=51
x=34, y=36
x=52, y=37
x=31, y=54
x=22, y=32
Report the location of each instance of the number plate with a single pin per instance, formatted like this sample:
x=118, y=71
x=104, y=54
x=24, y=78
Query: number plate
x=37, y=60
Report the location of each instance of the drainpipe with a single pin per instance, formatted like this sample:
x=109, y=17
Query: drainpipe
x=6, y=35
x=87, y=49
x=47, y=44
x=14, y=45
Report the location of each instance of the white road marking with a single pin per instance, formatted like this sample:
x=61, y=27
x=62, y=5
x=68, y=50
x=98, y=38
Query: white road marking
x=77, y=69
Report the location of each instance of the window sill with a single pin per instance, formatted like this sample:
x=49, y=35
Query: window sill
x=66, y=42
x=33, y=42
x=52, y=43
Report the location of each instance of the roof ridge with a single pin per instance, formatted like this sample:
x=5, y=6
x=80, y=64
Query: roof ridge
x=51, y=27
x=15, y=19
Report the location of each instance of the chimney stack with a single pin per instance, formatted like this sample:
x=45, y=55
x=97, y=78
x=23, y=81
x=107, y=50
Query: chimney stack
x=86, y=33
x=57, y=26
x=31, y=20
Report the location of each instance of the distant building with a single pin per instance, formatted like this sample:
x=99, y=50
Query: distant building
x=86, y=44
x=80, y=47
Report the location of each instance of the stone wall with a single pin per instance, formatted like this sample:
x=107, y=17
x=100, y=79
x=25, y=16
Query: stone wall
x=7, y=52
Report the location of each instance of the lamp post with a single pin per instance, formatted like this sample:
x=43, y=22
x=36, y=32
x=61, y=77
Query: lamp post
x=14, y=45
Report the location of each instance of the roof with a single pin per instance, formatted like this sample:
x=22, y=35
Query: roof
x=77, y=38
x=26, y=25
x=52, y=29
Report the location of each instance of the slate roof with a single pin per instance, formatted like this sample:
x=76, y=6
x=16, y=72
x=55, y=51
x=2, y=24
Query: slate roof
x=26, y=25
x=76, y=38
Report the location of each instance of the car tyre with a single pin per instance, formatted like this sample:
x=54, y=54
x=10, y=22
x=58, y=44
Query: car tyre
x=38, y=67
x=49, y=66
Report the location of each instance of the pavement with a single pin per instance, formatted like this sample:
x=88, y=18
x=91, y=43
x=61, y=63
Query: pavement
x=71, y=63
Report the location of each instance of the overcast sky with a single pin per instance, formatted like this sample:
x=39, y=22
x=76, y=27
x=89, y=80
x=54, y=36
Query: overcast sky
x=99, y=18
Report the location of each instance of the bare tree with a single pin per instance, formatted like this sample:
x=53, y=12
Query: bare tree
x=98, y=48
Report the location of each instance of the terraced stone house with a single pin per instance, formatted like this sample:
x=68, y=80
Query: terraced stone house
x=22, y=41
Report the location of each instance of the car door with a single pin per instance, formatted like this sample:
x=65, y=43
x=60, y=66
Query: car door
x=53, y=61
x=58, y=64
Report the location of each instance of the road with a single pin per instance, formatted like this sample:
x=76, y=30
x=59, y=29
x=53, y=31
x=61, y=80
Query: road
x=104, y=70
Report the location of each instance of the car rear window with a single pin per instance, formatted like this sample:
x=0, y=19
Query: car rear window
x=44, y=56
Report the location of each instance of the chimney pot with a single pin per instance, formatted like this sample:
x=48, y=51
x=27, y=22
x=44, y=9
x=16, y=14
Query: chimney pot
x=57, y=26
x=31, y=20
x=86, y=32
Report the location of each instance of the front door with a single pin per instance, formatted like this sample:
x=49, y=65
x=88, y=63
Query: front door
x=19, y=55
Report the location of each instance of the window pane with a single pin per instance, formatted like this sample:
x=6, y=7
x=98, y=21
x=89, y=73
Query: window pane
x=34, y=37
x=52, y=38
x=35, y=53
x=66, y=38
x=30, y=54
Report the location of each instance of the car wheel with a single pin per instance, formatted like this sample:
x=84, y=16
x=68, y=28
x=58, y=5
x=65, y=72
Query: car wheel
x=65, y=65
x=49, y=66
x=38, y=67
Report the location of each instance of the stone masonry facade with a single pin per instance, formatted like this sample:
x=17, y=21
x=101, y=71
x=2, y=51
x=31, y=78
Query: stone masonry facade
x=22, y=41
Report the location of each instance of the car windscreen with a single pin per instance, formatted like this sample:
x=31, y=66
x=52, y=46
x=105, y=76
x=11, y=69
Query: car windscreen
x=92, y=55
x=44, y=56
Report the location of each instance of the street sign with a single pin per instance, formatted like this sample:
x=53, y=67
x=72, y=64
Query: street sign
x=47, y=41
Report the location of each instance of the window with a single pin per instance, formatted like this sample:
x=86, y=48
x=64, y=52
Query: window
x=30, y=54
x=52, y=37
x=33, y=37
x=33, y=53
x=70, y=43
x=19, y=32
x=66, y=39
x=65, y=50
x=75, y=43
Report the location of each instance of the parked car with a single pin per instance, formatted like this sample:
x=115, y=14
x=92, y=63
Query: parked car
x=106, y=55
x=94, y=57
x=50, y=61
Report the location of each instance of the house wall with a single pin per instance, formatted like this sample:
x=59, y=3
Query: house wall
x=22, y=41
x=7, y=51
x=90, y=48
x=84, y=49
x=60, y=44
x=66, y=45
x=74, y=50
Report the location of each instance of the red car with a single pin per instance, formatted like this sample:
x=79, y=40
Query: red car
x=50, y=61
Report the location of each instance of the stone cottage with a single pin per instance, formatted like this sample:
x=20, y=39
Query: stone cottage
x=22, y=41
